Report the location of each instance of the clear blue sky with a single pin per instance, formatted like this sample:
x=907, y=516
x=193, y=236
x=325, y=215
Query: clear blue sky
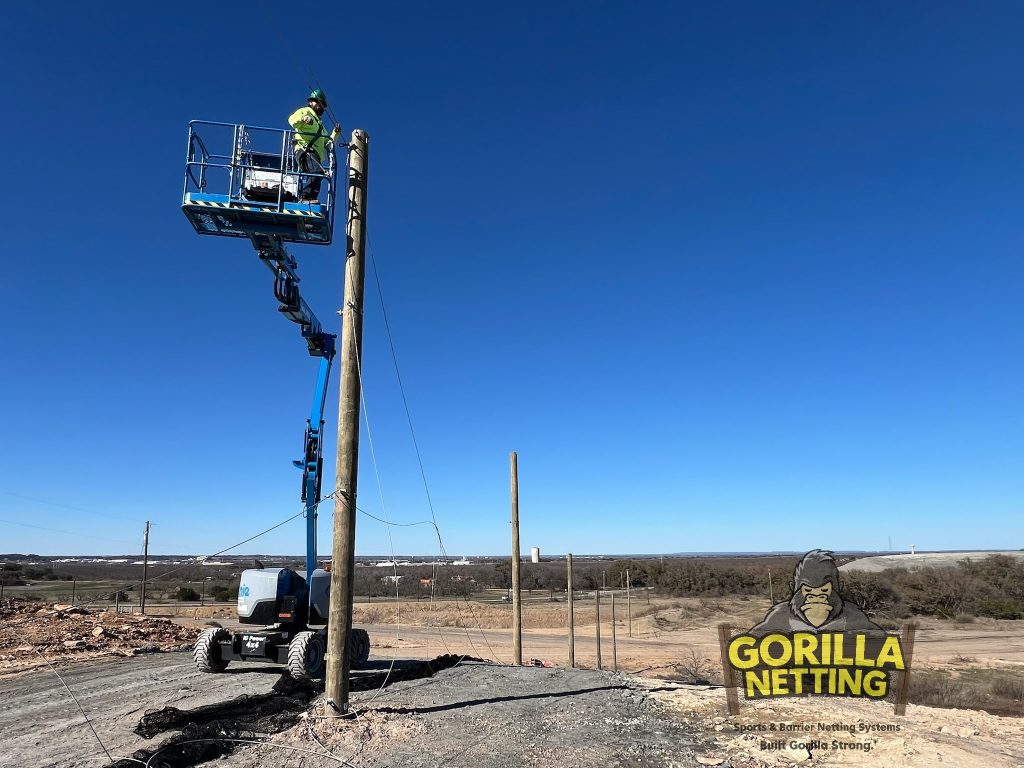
x=728, y=276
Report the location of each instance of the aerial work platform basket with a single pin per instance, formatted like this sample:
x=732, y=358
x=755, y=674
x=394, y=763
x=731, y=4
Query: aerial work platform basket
x=242, y=181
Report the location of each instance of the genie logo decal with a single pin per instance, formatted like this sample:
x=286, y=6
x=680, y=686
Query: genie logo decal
x=815, y=644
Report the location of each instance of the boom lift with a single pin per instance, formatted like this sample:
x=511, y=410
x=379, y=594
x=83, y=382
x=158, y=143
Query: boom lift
x=248, y=188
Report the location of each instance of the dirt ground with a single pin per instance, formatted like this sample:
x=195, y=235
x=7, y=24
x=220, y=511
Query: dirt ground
x=823, y=731
x=434, y=713
x=33, y=633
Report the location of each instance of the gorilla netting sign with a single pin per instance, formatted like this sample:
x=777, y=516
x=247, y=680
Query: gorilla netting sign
x=816, y=644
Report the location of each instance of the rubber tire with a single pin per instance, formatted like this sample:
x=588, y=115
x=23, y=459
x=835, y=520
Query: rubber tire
x=360, y=648
x=206, y=652
x=307, y=655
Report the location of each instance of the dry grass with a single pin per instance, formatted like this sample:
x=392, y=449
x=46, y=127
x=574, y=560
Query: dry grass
x=487, y=615
x=996, y=690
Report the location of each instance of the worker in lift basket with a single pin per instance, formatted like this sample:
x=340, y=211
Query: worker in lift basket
x=312, y=144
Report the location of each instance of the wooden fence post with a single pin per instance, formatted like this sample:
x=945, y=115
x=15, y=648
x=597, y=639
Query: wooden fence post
x=731, y=695
x=568, y=592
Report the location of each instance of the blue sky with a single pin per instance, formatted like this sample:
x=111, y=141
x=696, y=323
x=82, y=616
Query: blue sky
x=728, y=276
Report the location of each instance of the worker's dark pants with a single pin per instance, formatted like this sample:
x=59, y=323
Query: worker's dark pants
x=307, y=162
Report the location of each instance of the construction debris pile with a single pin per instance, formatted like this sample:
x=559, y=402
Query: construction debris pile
x=35, y=632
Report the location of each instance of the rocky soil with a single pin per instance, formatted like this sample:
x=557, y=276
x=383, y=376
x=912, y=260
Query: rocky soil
x=32, y=633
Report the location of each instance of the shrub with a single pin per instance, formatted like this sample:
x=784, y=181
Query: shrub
x=1001, y=608
x=940, y=689
x=1008, y=686
x=221, y=594
x=871, y=591
x=186, y=593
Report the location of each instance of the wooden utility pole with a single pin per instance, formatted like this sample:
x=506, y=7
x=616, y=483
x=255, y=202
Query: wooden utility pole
x=517, y=604
x=568, y=593
x=343, y=550
x=145, y=569
x=615, y=643
x=597, y=613
x=629, y=606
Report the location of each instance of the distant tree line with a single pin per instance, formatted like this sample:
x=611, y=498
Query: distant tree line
x=992, y=586
x=17, y=575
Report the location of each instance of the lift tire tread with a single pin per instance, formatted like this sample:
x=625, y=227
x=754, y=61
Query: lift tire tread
x=360, y=648
x=307, y=653
x=206, y=652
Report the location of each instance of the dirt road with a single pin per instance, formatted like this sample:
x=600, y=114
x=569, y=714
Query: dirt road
x=41, y=725
x=937, y=644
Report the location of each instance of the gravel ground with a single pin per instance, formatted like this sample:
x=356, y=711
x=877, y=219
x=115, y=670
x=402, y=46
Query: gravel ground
x=495, y=716
x=41, y=726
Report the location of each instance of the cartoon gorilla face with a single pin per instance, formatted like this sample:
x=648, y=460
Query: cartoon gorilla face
x=816, y=588
x=816, y=605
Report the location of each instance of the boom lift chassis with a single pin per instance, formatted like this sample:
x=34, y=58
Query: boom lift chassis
x=280, y=600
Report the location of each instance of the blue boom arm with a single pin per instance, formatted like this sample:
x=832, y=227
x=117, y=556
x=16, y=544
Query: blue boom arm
x=312, y=463
x=272, y=253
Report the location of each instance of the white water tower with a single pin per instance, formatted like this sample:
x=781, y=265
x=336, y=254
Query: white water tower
x=534, y=554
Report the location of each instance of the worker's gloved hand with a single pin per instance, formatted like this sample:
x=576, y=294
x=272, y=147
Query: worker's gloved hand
x=335, y=133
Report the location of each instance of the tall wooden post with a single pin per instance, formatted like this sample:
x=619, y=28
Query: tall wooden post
x=145, y=569
x=517, y=604
x=343, y=549
x=597, y=614
x=629, y=606
x=615, y=643
x=568, y=602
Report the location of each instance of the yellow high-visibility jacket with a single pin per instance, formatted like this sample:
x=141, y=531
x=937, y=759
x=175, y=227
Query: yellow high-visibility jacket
x=313, y=135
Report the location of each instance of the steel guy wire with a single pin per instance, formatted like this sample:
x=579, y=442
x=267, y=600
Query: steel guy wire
x=71, y=507
x=380, y=491
x=309, y=76
x=394, y=562
x=68, y=533
x=200, y=558
x=388, y=522
x=437, y=530
x=383, y=506
x=412, y=432
x=71, y=693
x=8, y=629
